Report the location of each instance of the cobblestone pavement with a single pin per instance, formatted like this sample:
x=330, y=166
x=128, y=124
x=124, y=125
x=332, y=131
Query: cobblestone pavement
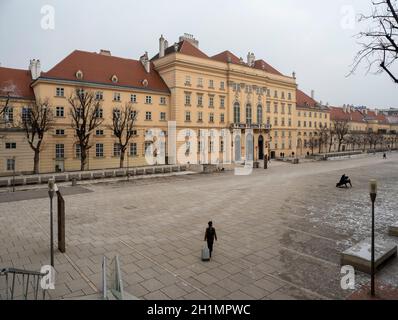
x=280, y=232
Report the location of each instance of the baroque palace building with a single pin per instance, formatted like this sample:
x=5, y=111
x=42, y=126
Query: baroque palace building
x=181, y=83
x=239, y=110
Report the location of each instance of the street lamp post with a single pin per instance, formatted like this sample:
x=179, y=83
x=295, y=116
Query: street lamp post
x=51, y=190
x=373, y=193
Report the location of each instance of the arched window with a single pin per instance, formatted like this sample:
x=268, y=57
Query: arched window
x=259, y=114
x=248, y=114
x=236, y=112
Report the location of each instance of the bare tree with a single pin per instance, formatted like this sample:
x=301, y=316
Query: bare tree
x=312, y=143
x=3, y=108
x=380, y=41
x=323, y=134
x=372, y=138
x=86, y=117
x=36, y=120
x=122, y=127
x=341, y=129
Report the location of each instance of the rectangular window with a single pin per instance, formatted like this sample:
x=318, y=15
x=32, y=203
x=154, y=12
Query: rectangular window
x=200, y=82
x=99, y=113
x=133, y=149
x=99, y=95
x=268, y=121
x=222, y=118
x=162, y=100
x=211, y=101
x=11, y=145
x=10, y=164
x=99, y=132
x=116, y=150
x=25, y=114
x=187, y=80
x=148, y=115
x=116, y=96
x=283, y=95
x=60, y=92
x=200, y=100
x=99, y=150
x=268, y=106
x=59, y=112
x=148, y=99
x=200, y=116
x=283, y=122
x=187, y=116
x=9, y=114
x=289, y=109
x=148, y=147
x=60, y=132
x=222, y=85
x=78, y=151
x=276, y=107
x=187, y=99
x=290, y=122
x=276, y=94
x=163, y=116
x=211, y=84
x=289, y=96
x=283, y=108
x=211, y=117
x=133, y=132
x=299, y=123
x=222, y=102
x=275, y=121
x=305, y=124
x=59, y=151
x=133, y=98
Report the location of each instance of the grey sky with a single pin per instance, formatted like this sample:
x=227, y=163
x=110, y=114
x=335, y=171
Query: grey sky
x=304, y=36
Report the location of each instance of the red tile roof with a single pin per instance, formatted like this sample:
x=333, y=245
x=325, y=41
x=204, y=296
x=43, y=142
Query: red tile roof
x=262, y=65
x=303, y=100
x=226, y=56
x=98, y=68
x=16, y=82
x=339, y=114
x=184, y=47
x=381, y=118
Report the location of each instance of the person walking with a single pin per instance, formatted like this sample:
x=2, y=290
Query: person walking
x=210, y=235
x=384, y=156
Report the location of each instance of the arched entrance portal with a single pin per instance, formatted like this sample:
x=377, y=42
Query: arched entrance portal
x=261, y=148
x=237, y=149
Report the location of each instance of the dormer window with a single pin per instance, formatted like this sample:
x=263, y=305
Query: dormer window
x=79, y=74
x=114, y=79
x=145, y=82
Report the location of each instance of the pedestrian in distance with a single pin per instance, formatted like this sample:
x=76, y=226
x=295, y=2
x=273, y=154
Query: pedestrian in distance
x=384, y=156
x=210, y=236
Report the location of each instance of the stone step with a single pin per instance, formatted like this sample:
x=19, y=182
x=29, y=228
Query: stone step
x=359, y=255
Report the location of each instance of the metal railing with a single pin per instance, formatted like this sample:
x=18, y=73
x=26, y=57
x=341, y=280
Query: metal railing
x=21, y=284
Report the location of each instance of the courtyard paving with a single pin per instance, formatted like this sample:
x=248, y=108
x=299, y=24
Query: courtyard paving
x=280, y=232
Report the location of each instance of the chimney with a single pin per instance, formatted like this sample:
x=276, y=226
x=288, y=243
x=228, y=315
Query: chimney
x=105, y=52
x=162, y=45
x=35, y=68
x=294, y=75
x=344, y=108
x=376, y=112
x=312, y=94
x=176, y=47
x=145, y=62
x=190, y=38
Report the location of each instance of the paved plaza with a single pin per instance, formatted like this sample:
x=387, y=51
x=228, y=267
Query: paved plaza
x=280, y=232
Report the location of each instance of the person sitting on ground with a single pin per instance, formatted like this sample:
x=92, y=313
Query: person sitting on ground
x=344, y=180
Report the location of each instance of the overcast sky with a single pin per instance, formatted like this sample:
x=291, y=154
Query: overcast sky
x=311, y=37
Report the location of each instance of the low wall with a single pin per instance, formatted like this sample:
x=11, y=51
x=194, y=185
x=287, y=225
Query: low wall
x=21, y=180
